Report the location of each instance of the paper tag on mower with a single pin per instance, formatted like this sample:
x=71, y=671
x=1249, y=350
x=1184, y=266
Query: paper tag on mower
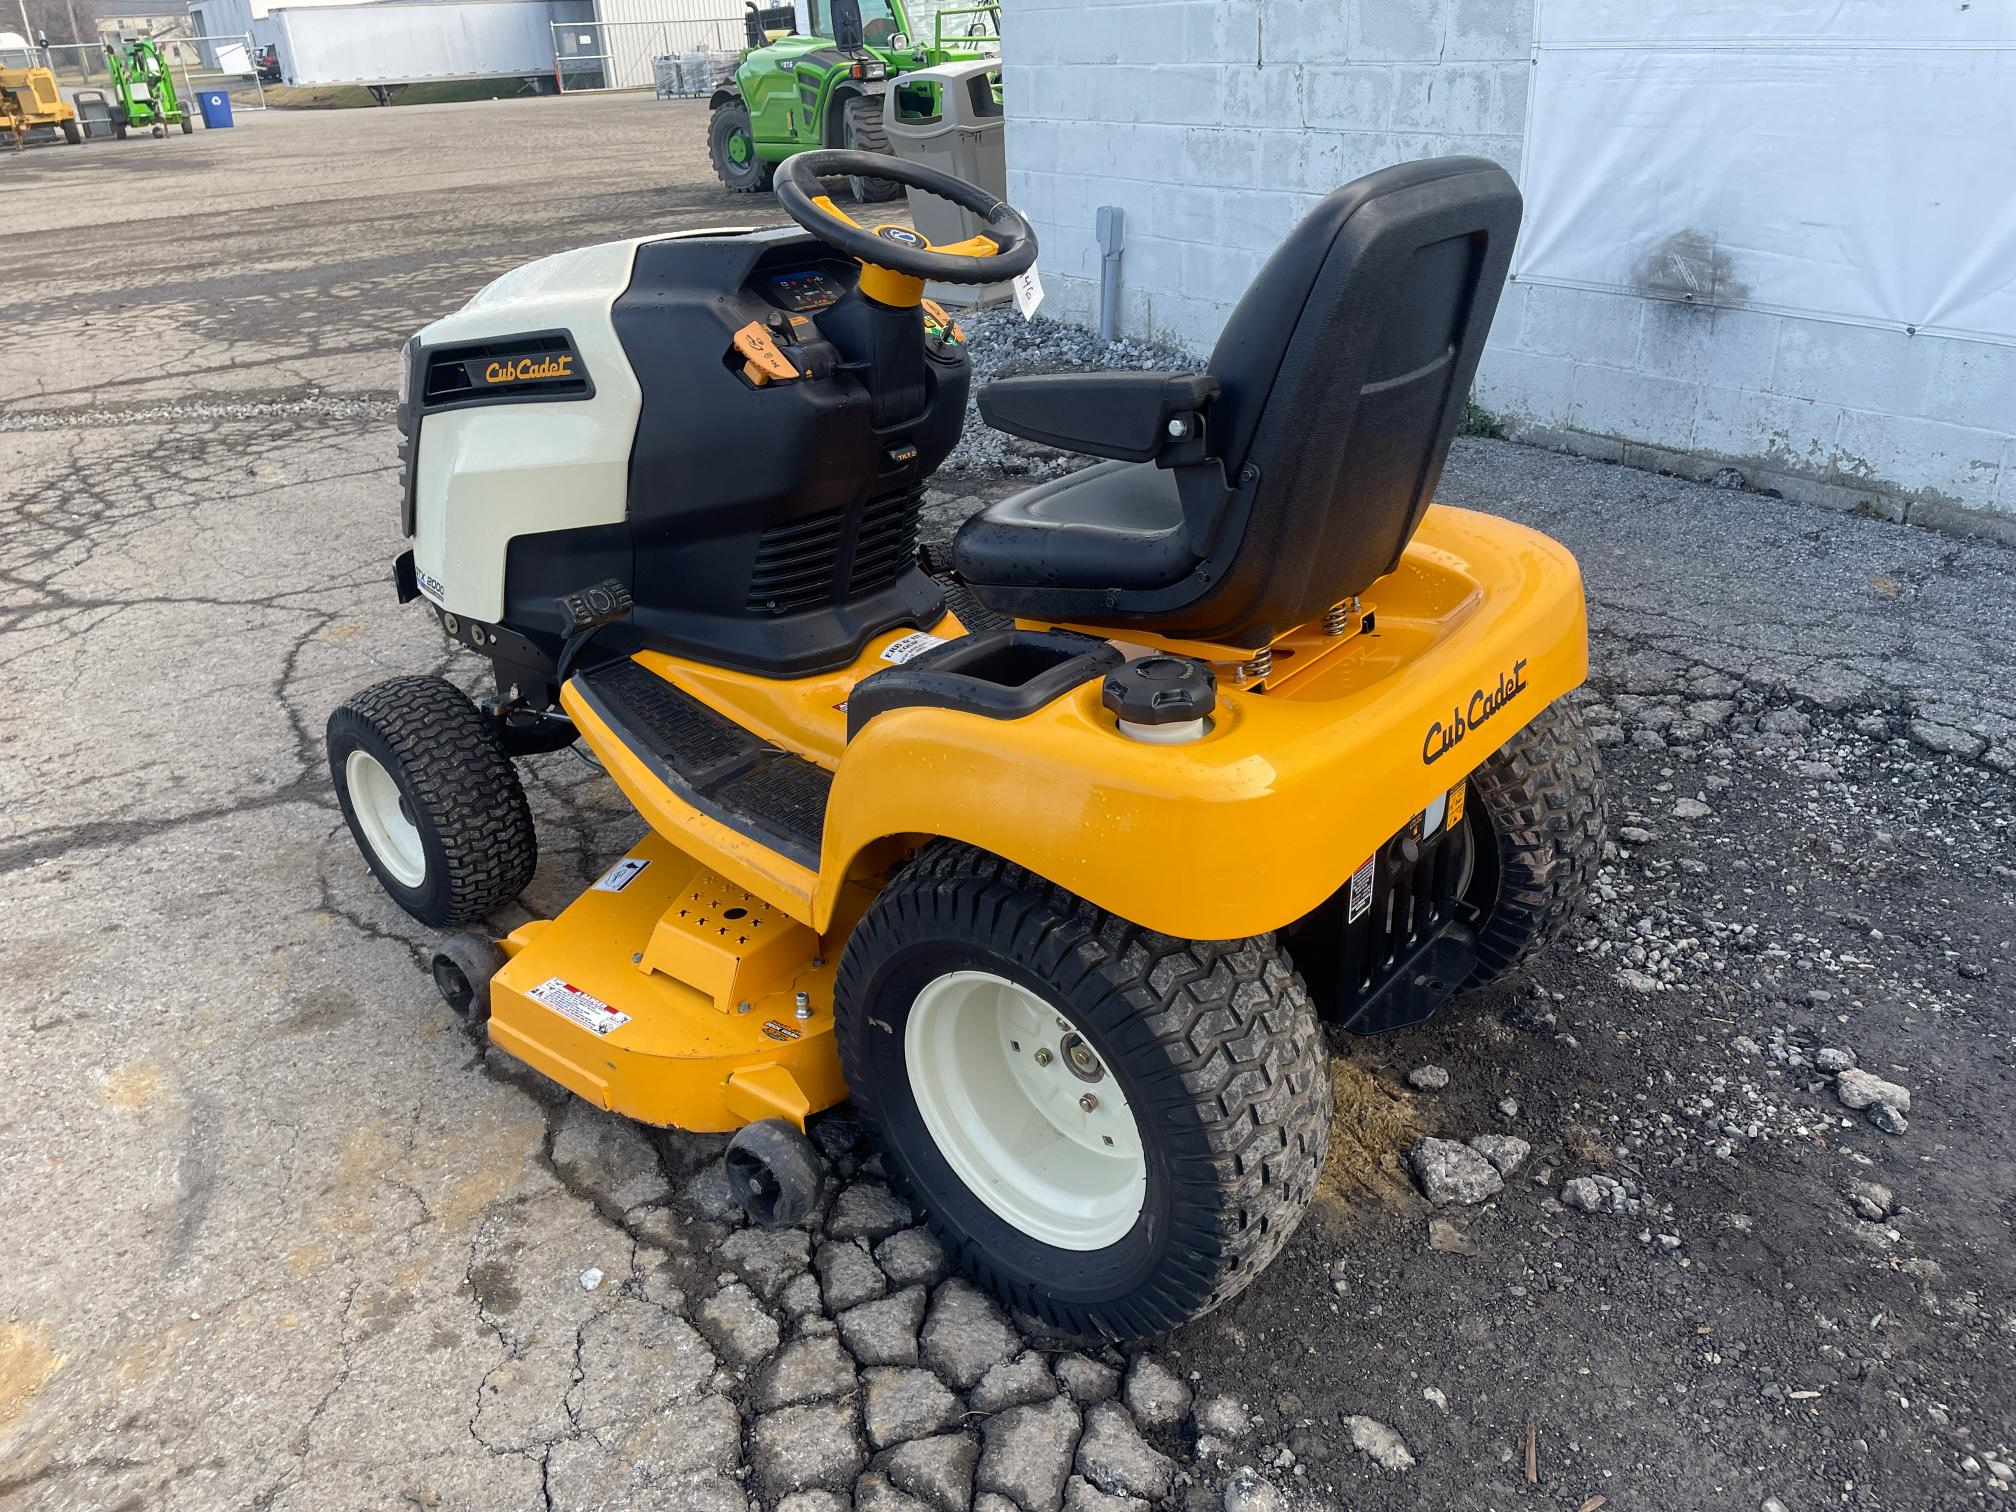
x=908, y=647
x=584, y=1008
x=1028, y=292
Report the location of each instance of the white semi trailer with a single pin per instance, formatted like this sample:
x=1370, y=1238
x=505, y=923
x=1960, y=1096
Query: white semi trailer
x=392, y=43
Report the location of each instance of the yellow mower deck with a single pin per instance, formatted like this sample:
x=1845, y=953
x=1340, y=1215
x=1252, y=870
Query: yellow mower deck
x=634, y=996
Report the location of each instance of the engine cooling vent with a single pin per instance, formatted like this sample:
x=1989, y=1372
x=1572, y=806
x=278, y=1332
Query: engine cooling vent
x=544, y=366
x=887, y=542
x=796, y=564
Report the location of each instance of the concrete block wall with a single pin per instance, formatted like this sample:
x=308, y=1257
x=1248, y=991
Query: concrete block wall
x=1215, y=124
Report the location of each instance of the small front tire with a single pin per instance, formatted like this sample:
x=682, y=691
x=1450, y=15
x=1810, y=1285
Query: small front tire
x=1113, y=1130
x=433, y=801
x=774, y=1173
x=462, y=970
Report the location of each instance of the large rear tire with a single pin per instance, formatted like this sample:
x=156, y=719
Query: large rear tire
x=73, y=133
x=1113, y=1130
x=1538, y=817
x=432, y=800
x=731, y=147
x=861, y=131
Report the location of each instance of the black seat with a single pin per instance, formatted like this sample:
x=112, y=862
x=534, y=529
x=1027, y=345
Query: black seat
x=1291, y=474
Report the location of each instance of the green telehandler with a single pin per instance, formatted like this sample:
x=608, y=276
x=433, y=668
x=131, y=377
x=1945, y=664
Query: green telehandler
x=144, y=88
x=815, y=74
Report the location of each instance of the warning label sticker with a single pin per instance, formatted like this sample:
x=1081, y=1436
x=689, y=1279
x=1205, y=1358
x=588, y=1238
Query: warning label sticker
x=908, y=647
x=621, y=875
x=1361, y=892
x=584, y=1008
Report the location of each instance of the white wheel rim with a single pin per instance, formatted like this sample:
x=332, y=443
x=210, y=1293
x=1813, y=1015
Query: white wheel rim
x=1052, y=1150
x=378, y=805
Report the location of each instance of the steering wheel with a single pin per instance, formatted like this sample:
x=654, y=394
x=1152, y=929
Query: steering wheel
x=902, y=256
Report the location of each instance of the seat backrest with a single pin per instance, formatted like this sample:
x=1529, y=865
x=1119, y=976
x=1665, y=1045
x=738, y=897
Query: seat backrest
x=1342, y=377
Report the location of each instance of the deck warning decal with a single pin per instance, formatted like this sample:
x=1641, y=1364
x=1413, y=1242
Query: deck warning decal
x=584, y=1008
x=621, y=875
x=1361, y=892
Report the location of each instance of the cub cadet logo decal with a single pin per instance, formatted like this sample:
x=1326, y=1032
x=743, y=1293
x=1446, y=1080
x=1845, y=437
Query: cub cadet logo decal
x=528, y=369
x=1442, y=738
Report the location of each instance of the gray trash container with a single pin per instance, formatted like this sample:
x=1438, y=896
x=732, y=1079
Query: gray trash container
x=949, y=118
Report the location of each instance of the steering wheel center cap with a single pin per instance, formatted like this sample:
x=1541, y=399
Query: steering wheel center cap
x=903, y=236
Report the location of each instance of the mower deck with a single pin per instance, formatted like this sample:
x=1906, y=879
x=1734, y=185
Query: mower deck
x=671, y=995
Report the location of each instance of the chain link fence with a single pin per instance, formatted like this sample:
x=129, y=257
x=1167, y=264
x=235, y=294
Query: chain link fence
x=232, y=67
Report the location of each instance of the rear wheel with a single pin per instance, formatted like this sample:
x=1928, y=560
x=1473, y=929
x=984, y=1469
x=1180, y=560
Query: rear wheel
x=1112, y=1129
x=731, y=146
x=1537, y=814
x=433, y=801
x=861, y=131
x=73, y=133
x=188, y=123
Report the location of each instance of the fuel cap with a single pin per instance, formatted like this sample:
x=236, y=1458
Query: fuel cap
x=1161, y=690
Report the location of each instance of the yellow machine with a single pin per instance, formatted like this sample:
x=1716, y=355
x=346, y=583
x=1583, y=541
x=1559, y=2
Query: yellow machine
x=1055, y=858
x=29, y=99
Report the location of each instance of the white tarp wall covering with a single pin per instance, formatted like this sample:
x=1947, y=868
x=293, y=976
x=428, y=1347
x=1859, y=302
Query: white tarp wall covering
x=1776, y=237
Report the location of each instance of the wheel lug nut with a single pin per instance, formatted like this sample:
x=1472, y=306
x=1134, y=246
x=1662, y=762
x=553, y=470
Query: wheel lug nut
x=1088, y=1102
x=1043, y=1055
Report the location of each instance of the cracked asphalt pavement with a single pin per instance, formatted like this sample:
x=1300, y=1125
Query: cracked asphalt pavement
x=279, y=1233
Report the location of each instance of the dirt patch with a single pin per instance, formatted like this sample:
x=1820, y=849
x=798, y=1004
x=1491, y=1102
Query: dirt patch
x=1372, y=1123
x=27, y=1362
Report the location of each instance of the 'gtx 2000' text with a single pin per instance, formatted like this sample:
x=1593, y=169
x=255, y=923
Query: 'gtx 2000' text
x=1443, y=737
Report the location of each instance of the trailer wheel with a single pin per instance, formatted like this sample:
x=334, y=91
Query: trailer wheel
x=1113, y=1130
x=731, y=147
x=861, y=131
x=433, y=801
x=1536, y=809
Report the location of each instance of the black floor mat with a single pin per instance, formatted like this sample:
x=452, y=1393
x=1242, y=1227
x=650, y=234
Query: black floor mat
x=714, y=764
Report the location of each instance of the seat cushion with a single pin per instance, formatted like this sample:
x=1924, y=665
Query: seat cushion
x=1117, y=525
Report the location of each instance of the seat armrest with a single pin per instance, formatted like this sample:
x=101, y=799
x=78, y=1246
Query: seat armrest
x=1122, y=415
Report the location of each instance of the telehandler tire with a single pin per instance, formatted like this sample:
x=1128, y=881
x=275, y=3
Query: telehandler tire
x=73, y=133
x=1111, y=1129
x=1538, y=814
x=188, y=124
x=725, y=128
x=432, y=799
x=861, y=131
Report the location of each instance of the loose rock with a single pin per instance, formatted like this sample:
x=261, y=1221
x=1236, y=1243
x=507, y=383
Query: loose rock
x=1383, y=1445
x=1014, y=1383
x=798, y=1448
x=1154, y=1394
x=884, y=1332
x=937, y=1471
x=847, y=1276
x=1115, y=1458
x=809, y=1370
x=1224, y=1416
x=1450, y=1172
x=868, y=1210
x=1831, y=1060
x=1248, y=1492
x=1027, y=1454
x=1504, y=1151
x=737, y=1326
x=911, y=1258
x=906, y=1403
x=1428, y=1078
x=965, y=1335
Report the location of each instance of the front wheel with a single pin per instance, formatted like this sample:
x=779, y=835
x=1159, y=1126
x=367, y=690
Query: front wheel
x=433, y=801
x=73, y=133
x=188, y=125
x=1113, y=1130
x=731, y=146
x=1536, y=809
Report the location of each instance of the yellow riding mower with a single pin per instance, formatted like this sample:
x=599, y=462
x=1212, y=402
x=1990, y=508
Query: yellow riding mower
x=1056, y=859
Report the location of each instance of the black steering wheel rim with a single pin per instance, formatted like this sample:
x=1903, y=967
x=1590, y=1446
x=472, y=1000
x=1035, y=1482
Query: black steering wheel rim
x=797, y=186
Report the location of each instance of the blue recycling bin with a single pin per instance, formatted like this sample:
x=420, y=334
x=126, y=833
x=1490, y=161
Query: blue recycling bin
x=216, y=107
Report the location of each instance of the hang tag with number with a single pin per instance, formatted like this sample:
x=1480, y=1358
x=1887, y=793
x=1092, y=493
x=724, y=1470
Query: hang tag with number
x=1028, y=292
